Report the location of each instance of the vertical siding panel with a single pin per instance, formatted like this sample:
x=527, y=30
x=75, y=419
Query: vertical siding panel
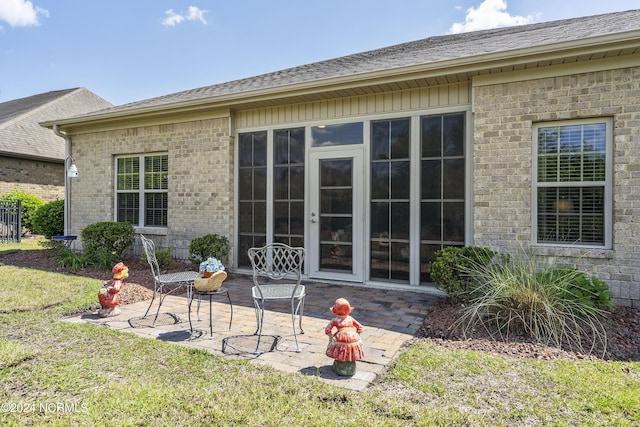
x=443, y=95
x=396, y=101
x=282, y=115
x=452, y=94
x=390, y=102
x=331, y=109
x=432, y=100
x=415, y=99
x=352, y=105
x=372, y=105
x=376, y=105
x=405, y=100
x=339, y=107
x=312, y=110
x=361, y=107
x=466, y=91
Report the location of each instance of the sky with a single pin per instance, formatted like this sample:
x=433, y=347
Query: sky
x=130, y=50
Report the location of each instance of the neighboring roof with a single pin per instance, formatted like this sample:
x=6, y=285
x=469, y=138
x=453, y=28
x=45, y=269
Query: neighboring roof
x=473, y=49
x=20, y=132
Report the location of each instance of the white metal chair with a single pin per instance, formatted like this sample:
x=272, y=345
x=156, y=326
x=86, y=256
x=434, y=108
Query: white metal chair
x=171, y=280
x=277, y=273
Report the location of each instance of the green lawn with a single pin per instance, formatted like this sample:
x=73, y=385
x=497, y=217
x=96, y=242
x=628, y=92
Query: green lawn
x=56, y=373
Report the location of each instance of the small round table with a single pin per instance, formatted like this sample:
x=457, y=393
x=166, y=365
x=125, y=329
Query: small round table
x=210, y=294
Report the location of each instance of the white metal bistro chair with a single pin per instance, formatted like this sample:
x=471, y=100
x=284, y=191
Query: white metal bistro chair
x=277, y=272
x=162, y=281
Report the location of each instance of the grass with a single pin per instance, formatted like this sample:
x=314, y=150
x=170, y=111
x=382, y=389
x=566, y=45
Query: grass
x=64, y=374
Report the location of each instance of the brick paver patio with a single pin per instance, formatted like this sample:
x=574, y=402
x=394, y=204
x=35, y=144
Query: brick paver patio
x=390, y=318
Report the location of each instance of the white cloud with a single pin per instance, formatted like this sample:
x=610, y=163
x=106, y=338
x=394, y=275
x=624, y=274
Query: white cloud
x=193, y=14
x=490, y=14
x=21, y=13
x=172, y=19
x=196, y=14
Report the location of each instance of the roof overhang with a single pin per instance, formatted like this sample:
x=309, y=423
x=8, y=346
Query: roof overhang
x=25, y=156
x=622, y=48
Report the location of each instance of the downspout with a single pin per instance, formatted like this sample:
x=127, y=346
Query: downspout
x=67, y=193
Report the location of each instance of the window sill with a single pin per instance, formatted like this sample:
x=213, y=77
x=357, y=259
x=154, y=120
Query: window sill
x=574, y=252
x=152, y=231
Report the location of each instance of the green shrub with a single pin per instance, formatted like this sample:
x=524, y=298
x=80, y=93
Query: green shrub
x=48, y=220
x=163, y=256
x=210, y=245
x=67, y=258
x=448, y=271
x=104, y=243
x=527, y=296
x=103, y=258
x=30, y=204
x=589, y=291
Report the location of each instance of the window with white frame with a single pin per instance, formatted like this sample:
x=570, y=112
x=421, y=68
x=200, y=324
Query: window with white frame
x=572, y=178
x=142, y=190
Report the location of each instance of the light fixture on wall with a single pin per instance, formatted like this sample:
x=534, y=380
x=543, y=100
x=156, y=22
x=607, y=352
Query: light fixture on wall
x=72, y=170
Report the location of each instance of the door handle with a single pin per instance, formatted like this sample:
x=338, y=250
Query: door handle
x=313, y=217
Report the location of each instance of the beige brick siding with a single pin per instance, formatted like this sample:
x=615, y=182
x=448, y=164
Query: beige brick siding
x=44, y=179
x=200, y=179
x=503, y=118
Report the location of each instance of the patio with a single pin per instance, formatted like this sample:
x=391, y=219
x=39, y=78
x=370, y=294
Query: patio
x=390, y=318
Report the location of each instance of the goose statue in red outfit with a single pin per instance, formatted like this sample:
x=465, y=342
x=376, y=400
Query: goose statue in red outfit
x=108, y=294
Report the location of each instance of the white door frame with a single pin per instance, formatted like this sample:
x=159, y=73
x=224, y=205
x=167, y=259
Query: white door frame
x=356, y=154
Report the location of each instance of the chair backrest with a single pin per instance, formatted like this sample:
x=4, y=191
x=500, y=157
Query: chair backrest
x=277, y=261
x=150, y=253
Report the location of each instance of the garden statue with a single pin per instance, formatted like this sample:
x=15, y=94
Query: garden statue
x=108, y=294
x=344, y=346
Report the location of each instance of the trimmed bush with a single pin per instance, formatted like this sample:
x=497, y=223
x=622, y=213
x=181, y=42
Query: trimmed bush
x=30, y=204
x=209, y=245
x=448, y=271
x=104, y=243
x=48, y=220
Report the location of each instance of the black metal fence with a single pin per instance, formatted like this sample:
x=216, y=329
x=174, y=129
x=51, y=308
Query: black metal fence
x=10, y=223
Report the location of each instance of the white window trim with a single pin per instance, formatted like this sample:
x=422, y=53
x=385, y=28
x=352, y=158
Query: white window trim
x=608, y=185
x=141, y=191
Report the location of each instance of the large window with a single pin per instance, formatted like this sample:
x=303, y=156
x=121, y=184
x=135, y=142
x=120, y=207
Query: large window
x=390, y=192
x=142, y=190
x=252, y=194
x=572, y=184
x=288, y=186
x=442, y=174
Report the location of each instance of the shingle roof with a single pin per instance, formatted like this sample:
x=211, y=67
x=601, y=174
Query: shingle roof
x=20, y=132
x=432, y=50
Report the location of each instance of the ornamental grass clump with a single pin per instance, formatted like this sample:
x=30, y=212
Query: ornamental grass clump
x=523, y=296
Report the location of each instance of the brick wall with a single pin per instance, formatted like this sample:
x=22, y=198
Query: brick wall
x=44, y=179
x=200, y=179
x=503, y=118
